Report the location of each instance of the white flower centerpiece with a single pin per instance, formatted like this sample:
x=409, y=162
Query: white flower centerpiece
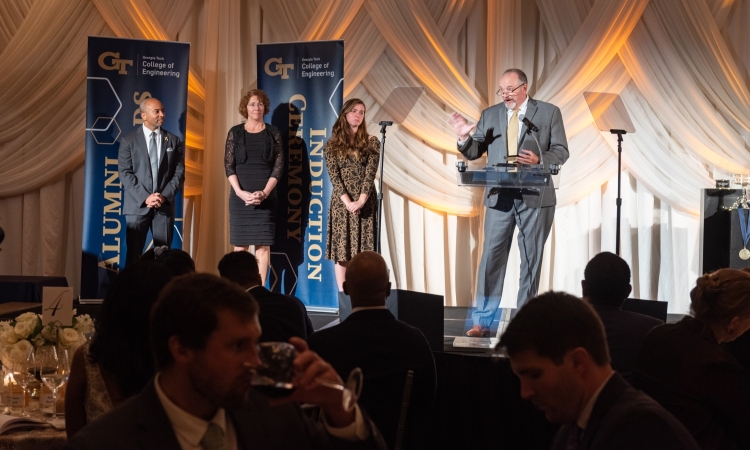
x=18, y=337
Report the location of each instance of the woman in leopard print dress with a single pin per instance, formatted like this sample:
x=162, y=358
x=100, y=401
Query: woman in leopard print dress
x=352, y=157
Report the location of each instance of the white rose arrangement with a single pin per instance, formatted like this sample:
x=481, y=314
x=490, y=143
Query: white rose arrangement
x=18, y=337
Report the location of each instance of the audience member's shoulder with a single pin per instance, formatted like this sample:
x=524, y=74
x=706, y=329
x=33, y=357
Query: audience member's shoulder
x=323, y=337
x=106, y=429
x=642, y=318
x=637, y=413
x=415, y=334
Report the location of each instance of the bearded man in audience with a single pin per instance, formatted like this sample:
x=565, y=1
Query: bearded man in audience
x=204, y=333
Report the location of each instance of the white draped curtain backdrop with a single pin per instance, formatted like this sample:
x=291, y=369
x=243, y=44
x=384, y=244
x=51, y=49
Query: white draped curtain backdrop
x=680, y=66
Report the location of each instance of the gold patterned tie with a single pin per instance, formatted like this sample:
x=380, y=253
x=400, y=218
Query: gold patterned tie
x=513, y=136
x=214, y=438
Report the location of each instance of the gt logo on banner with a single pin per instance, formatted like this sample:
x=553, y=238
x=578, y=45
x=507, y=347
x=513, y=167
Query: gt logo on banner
x=281, y=69
x=305, y=101
x=117, y=64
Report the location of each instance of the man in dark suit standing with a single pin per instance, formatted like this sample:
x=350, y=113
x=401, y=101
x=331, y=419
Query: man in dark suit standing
x=204, y=333
x=557, y=348
x=502, y=134
x=281, y=316
x=372, y=339
x=606, y=285
x=151, y=163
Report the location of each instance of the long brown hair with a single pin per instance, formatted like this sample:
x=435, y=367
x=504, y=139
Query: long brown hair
x=342, y=142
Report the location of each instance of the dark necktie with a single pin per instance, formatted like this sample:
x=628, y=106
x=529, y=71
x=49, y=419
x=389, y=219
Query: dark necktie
x=574, y=438
x=153, y=155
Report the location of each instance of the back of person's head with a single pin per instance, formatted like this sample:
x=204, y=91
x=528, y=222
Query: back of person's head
x=176, y=261
x=366, y=280
x=240, y=267
x=607, y=279
x=120, y=344
x=187, y=309
x=720, y=296
x=554, y=323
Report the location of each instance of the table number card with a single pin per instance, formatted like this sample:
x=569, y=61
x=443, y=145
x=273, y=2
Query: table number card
x=57, y=305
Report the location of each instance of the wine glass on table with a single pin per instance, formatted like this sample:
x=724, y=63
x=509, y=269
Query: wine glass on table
x=274, y=376
x=24, y=371
x=54, y=369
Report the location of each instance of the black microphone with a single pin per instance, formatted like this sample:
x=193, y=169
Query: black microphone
x=530, y=125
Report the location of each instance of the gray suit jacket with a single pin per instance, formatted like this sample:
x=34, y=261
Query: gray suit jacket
x=489, y=137
x=134, y=166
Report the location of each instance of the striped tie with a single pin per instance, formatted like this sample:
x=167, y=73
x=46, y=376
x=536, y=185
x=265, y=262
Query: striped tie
x=153, y=155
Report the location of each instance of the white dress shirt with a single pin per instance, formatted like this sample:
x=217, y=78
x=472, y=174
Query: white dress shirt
x=583, y=418
x=364, y=308
x=147, y=134
x=190, y=429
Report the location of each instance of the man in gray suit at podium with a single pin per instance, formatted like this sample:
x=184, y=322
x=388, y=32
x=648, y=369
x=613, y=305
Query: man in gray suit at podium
x=151, y=162
x=502, y=134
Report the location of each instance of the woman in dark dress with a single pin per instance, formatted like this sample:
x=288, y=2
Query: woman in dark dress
x=352, y=157
x=253, y=161
x=684, y=367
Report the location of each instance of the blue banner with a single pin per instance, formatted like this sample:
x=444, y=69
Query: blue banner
x=305, y=83
x=121, y=74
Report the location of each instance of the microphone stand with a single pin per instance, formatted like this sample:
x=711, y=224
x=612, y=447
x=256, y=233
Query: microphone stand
x=383, y=125
x=619, y=134
x=541, y=153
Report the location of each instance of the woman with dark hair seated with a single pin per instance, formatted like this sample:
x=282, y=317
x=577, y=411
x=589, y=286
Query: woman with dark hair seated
x=117, y=362
x=684, y=367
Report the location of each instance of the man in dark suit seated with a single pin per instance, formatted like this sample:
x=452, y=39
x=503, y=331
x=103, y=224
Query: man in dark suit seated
x=281, y=316
x=204, y=333
x=384, y=348
x=606, y=285
x=557, y=348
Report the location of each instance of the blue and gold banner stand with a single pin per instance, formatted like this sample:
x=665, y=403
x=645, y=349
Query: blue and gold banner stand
x=305, y=83
x=121, y=74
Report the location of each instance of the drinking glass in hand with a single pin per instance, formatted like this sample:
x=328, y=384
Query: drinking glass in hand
x=275, y=374
x=273, y=377
x=54, y=369
x=23, y=374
